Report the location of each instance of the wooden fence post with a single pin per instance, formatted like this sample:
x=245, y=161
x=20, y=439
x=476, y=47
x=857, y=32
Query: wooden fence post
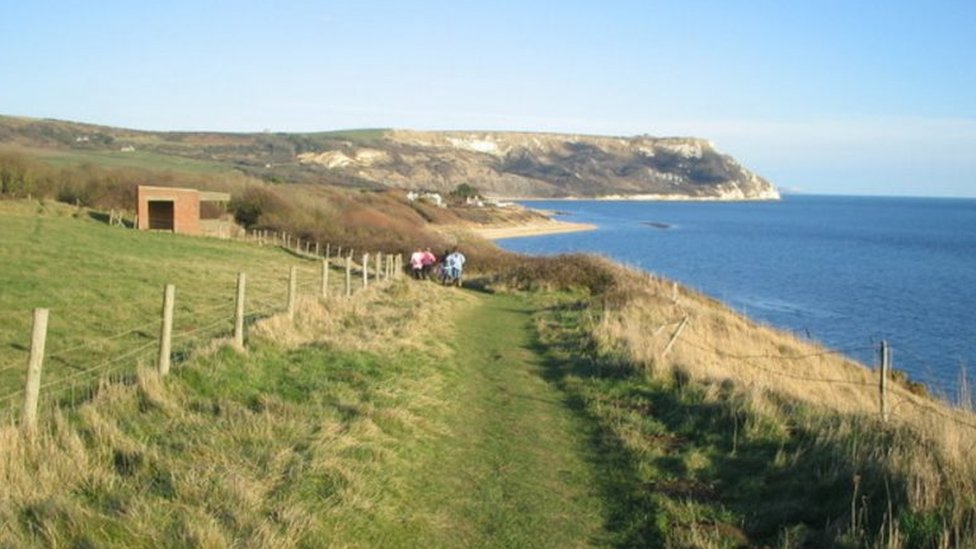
x=316, y=248
x=883, y=384
x=166, y=336
x=34, y=365
x=348, y=276
x=239, y=313
x=325, y=278
x=292, y=290
x=674, y=337
x=328, y=250
x=379, y=265
x=365, y=270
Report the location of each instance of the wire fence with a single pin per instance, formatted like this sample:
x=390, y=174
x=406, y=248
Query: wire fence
x=83, y=356
x=891, y=403
x=76, y=365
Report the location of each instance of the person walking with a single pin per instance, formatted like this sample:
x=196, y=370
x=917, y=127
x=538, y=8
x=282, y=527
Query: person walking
x=455, y=267
x=417, y=264
x=427, y=261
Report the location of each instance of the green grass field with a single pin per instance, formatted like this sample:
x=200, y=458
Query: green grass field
x=145, y=160
x=104, y=285
x=371, y=422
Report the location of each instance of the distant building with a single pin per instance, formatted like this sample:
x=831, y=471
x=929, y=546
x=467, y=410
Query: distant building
x=179, y=211
x=127, y=148
x=499, y=203
x=432, y=197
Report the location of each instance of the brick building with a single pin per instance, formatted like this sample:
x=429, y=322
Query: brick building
x=177, y=210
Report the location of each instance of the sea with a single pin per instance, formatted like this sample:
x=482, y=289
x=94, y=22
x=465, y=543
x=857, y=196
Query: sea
x=845, y=271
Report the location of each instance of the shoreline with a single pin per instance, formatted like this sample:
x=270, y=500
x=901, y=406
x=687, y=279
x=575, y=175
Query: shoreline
x=642, y=198
x=537, y=228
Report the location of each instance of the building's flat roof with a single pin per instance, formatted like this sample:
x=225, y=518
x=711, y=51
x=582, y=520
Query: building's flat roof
x=205, y=196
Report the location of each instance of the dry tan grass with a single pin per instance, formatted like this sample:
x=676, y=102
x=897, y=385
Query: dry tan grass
x=390, y=314
x=776, y=372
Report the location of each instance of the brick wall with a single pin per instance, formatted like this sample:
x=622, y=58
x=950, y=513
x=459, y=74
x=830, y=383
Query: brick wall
x=186, y=207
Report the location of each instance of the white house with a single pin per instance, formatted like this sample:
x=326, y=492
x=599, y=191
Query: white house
x=429, y=196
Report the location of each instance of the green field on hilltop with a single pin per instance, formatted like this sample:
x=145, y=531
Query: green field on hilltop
x=146, y=160
x=265, y=154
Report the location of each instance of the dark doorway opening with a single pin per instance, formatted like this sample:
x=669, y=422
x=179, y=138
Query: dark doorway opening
x=162, y=215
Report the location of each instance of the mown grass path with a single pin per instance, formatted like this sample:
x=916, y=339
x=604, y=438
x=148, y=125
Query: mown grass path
x=511, y=471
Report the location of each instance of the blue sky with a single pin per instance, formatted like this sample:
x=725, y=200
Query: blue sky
x=853, y=97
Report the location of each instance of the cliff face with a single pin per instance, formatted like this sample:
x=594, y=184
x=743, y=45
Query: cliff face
x=545, y=165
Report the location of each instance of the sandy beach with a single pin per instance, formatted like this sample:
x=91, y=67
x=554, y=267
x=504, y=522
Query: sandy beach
x=531, y=229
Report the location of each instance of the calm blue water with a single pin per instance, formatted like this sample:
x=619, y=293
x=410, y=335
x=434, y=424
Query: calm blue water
x=848, y=271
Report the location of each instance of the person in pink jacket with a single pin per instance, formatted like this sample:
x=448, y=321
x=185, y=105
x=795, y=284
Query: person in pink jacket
x=417, y=264
x=427, y=261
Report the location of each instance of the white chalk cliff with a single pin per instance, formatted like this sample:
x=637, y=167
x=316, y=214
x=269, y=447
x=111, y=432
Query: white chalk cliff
x=544, y=165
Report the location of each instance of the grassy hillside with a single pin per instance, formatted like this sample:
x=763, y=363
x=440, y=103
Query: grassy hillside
x=104, y=287
x=263, y=156
x=266, y=156
x=740, y=432
x=329, y=431
x=576, y=408
x=144, y=160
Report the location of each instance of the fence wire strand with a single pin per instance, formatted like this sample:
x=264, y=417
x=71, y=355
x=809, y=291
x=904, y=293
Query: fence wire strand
x=748, y=362
x=98, y=368
x=747, y=359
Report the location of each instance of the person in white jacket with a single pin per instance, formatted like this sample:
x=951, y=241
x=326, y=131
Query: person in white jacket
x=454, y=267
